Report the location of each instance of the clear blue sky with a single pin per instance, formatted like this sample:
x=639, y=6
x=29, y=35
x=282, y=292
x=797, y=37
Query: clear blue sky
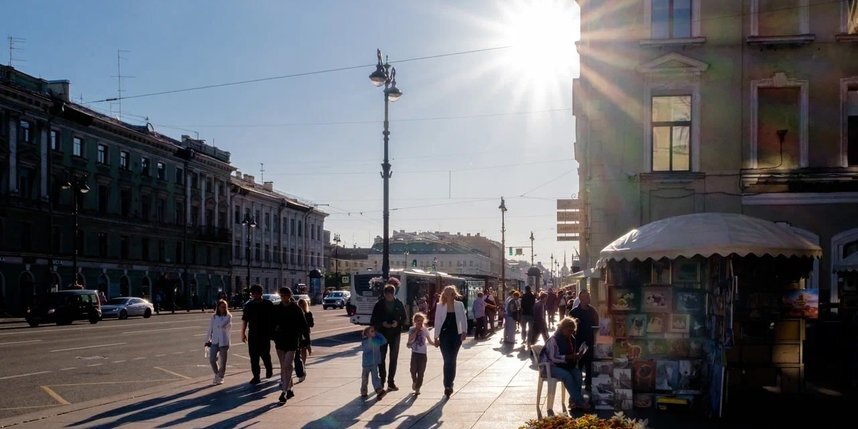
x=469, y=129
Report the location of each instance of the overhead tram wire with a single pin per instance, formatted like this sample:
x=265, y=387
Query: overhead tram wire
x=293, y=75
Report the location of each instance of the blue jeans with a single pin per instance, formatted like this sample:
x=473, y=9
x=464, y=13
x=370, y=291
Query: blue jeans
x=572, y=381
x=450, y=343
x=364, y=379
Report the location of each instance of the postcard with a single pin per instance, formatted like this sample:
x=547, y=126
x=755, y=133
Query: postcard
x=679, y=323
x=657, y=323
x=656, y=299
x=666, y=374
x=636, y=325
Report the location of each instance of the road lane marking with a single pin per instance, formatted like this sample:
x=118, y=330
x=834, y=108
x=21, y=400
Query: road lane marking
x=356, y=328
x=238, y=355
x=68, y=369
x=94, y=364
x=20, y=342
x=173, y=373
x=161, y=355
x=95, y=383
x=139, y=358
x=55, y=395
x=147, y=331
x=23, y=375
x=87, y=347
x=119, y=361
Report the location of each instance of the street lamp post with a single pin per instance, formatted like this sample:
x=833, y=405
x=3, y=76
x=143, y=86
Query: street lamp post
x=336, y=256
x=78, y=186
x=531, y=248
x=250, y=223
x=385, y=75
x=502, y=208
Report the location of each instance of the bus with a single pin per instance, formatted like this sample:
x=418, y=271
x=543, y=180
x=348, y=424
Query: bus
x=413, y=284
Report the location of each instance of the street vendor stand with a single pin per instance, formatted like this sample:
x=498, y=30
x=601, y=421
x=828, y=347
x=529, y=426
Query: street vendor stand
x=698, y=306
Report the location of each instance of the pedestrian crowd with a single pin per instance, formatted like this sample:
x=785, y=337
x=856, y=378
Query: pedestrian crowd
x=568, y=351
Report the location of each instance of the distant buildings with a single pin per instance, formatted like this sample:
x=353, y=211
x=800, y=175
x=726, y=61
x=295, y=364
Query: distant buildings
x=155, y=215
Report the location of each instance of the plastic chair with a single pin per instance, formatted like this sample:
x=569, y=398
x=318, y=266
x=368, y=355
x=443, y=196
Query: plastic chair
x=544, y=369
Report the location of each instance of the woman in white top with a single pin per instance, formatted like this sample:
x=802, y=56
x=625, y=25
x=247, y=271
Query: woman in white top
x=451, y=327
x=217, y=338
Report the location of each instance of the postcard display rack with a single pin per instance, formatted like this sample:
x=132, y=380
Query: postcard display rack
x=661, y=341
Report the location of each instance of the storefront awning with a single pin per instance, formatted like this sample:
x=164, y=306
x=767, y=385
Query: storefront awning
x=850, y=263
x=708, y=234
x=589, y=273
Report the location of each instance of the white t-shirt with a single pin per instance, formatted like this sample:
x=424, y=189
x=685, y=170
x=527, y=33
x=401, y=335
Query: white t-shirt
x=419, y=343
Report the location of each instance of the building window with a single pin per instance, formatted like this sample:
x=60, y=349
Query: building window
x=852, y=123
x=124, y=246
x=144, y=249
x=124, y=159
x=236, y=215
x=267, y=221
x=236, y=253
x=145, y=207
x=195, y=181
x=258, y=255
x=267, y=253
x=102, y=154
x=102, y=244
x=292, y=256
x=779, y=17
x=851, y=12
x=779, y=118
x=77, y=147
x=671, y=133
x=180, y=252
x=300, y=228
x=161, y=251
x=144, y=167
x=180, y=213
x=671, y=19
x=103, y=199
x=276, y=254
x=160, y=210
x=55, y=140
x=180, y=176
x=292, y=223
x=25, y=136
x=161, y=170
x=195, y=215
x=125, y=202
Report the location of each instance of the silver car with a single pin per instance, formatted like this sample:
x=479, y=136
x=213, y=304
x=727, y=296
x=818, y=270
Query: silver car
x=273, y=297
x=123, y=306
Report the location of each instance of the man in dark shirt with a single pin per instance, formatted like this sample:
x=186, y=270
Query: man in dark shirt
x=257, y=314
x=388, y=317
x=527, y=302
x=588, y=321
x=290, y=330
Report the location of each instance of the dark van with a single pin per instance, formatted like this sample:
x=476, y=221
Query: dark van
x=64, y=307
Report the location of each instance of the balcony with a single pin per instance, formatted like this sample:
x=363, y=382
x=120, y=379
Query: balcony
x=213, y=233
x=803, y=180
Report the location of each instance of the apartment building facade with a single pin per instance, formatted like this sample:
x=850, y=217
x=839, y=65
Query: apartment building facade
x=742, y=106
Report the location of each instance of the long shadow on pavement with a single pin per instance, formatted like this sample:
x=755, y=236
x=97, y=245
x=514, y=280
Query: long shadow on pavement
x=216, y=401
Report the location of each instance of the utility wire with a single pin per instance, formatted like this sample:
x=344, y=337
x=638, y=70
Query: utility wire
x=293, y=75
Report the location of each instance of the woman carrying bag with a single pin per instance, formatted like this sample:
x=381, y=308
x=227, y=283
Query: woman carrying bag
x=217, y=339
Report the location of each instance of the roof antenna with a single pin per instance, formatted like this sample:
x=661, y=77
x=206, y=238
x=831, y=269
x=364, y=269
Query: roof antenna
x=119, y=77
x=12, y=41
x=262, y=172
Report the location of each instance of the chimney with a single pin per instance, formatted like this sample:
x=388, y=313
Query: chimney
x=268, y=186
x=59, y=89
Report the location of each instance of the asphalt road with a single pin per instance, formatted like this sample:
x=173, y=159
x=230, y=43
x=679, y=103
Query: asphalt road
x=54, y=365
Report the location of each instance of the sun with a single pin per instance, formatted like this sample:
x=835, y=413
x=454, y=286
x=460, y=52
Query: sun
x=541, y=37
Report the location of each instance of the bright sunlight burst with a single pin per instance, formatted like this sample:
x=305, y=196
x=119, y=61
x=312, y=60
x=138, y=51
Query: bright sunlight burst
x=541, y=59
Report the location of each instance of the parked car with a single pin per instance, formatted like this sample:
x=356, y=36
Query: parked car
x=336, y=299
x=64, y=307
x=273, y=297
x=124, y=306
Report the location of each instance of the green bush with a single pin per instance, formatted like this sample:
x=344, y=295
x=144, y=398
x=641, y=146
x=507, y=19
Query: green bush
x=589, y=421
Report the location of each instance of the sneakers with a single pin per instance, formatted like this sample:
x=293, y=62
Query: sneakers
x=216, y=380
x=220, y=380
x=255, y=380
x=380, y=394
x=283, y=398
x=392, y=387
x=302, y=378
x=290, y=394
x=414, y=386
x=364, y=395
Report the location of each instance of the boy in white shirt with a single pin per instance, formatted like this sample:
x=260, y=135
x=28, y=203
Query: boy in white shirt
x=418, y=337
